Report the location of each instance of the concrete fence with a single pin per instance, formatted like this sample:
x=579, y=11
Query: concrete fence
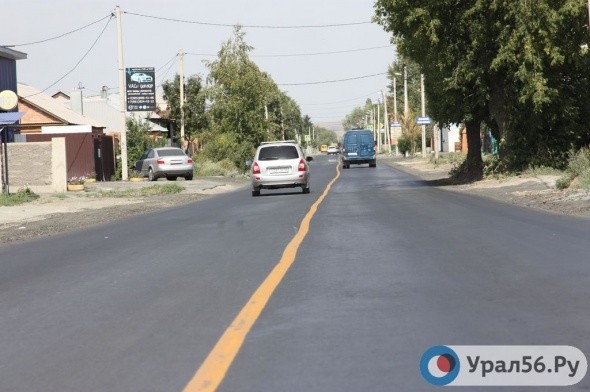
x=40, y=166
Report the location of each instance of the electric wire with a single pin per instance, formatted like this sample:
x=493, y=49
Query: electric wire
x=248, y=26
x=332, y=81
x=78, y=63
x=344, y=100
x=61, y=35
x=300, y=54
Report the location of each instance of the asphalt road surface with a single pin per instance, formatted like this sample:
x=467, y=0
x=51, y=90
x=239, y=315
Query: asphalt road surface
x=372, y=268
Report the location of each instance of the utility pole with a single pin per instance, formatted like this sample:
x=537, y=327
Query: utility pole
x=386, y=122
x=122, y=108
x=423, y=115
x=378, y=127
x=394, y=98
x=181, y=82
x=406, y=105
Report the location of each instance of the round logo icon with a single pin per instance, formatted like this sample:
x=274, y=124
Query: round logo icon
x=439, y=365
x=8, y=100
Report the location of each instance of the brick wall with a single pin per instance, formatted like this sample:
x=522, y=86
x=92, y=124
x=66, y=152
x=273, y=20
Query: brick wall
x=29, y=164
x=40, y=166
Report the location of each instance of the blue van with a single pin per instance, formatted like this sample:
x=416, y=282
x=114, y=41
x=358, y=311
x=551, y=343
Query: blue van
x=358, y=147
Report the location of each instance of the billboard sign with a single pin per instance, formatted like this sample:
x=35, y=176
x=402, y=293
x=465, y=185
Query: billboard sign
x=140, y=85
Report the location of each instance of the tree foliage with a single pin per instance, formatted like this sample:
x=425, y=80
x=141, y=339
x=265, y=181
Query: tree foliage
x=195, y=116
x=513, y=65
x=246, y=105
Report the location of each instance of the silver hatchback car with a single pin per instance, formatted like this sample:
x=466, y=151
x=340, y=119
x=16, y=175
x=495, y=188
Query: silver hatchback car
x=169, y=162
x=278, y=165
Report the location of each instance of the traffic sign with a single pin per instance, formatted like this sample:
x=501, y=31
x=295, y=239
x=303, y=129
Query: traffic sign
x=423, y=121
x=395, y=124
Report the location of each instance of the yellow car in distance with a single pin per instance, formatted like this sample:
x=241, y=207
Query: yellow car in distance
x=324, y=148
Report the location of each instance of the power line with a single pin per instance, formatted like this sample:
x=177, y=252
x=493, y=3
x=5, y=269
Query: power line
x=300, y=54
x=62, y=35
x=79, y=61
x=322, y=53
x=344, y=100
x=248, y=26
x=332, y=81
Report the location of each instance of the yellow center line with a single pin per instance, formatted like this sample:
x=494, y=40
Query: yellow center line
x=213, y=370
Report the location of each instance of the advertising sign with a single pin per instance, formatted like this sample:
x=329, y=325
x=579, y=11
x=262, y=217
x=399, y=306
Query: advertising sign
x=140, y=89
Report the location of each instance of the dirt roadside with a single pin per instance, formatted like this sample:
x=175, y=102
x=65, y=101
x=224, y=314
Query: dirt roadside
x=57, y=213
x=532, y=191
x=52, y=214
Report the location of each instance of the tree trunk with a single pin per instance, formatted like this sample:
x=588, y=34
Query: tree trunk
x=472, y=168
x=474, y=161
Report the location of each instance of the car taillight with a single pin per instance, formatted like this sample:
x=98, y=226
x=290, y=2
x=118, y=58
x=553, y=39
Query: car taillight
x=160, y=161
x=343, y=149
x=255, y=168
x=301, y=165
x=190, y=160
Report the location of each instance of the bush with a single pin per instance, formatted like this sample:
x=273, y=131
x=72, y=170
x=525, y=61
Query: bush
x=404, y=145
x=578, y=167
x=23, y=195
x=207, y=168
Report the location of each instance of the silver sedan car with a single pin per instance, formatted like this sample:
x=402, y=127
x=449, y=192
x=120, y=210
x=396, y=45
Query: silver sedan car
x=169, y=162
x=280, y=165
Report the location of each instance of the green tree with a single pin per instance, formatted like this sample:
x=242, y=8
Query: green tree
x=241, y=97
x=195, y=116
x=139, y=140
x=514, y=65
x=324, y=136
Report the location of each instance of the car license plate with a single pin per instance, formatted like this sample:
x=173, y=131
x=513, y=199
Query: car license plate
x=350, y=154
x=278, y=170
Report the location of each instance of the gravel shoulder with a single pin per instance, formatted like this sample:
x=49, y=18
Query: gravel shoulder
x=57, y=213
x=532, y=191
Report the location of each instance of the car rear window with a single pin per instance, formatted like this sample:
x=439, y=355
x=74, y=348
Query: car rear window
x=170, y=153
x=366, y=139
x=277, y=152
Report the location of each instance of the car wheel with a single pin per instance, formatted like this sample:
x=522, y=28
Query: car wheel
x=372, y=165
x=171, y=178
x=306, y=190
x=188, y=177
x=255, y=192
x=151, y=175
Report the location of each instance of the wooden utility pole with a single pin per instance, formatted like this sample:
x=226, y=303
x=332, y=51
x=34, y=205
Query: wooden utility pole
x=122, y=100
x=181, y=77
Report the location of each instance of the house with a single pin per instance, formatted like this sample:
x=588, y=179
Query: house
x=105, y=107
x=8, y=105
x=89, y=151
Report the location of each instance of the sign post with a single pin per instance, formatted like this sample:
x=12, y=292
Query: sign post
x=140, y=85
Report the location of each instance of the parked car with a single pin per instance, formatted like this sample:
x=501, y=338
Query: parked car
x=279, y=165
x=332, y=150
x=141, y=77
x=169, y=162
x=358, y=147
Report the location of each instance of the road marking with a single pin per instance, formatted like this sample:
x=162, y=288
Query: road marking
x=213, y=370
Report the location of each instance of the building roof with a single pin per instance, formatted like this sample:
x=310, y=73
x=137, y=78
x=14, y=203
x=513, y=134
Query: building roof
x=54, y=107
x=107, y=110
x=12, y=54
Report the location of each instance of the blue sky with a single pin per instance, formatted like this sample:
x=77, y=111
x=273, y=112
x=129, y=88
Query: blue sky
x=154, y=42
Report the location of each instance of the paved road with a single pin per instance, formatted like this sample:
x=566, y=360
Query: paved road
x=388, y=268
